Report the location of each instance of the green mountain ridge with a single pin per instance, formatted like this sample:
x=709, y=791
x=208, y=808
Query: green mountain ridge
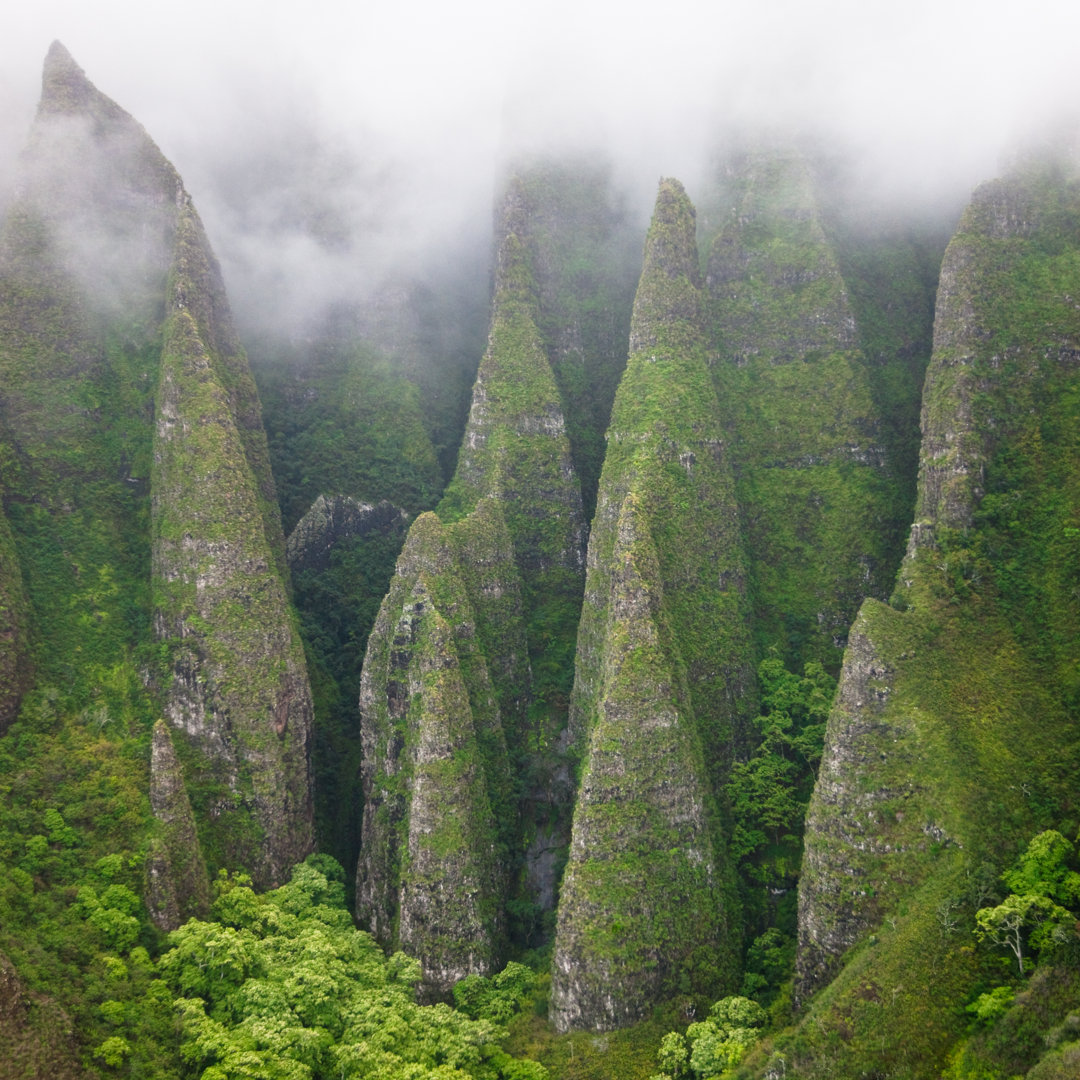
x=553, y=691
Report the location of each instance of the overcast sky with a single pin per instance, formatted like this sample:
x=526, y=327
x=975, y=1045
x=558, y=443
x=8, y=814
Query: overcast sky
x=402, y=110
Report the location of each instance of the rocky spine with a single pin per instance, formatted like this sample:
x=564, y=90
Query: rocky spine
x=663, y=670
x=919, y=784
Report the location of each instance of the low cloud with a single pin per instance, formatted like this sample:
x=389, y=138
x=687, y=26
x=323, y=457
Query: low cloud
x=330, y=146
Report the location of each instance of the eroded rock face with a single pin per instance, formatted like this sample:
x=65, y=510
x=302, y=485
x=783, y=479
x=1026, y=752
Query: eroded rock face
x=663, y=677
x=956, y=441
x=667, y=445
x=126, y=390
x=334, y=518
x=177, y=886
x=951, y=701
x=515, y=445
x=867, y=775
x=643, y=900
x=435, y=773
x=502, y=563
x=239, y=691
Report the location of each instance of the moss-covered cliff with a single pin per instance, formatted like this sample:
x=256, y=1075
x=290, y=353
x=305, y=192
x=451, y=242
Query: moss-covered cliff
x=16, y=672
x=952, y=741
x=137, y=476
x=506, y=555
x=822, y=493
x=664, y=670
x=239, y=686
x=585, y=255
x=438, y=811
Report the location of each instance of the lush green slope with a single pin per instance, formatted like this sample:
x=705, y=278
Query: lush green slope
x=953, y=740
x=821, y=484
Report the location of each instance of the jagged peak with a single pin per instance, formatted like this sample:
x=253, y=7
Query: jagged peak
x=669, y=294
x=65, y=89
x=671, y=243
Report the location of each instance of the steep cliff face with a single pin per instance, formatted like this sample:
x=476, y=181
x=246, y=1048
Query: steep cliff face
x=515, y=444
x=666, y=443
x=138, y=480
x=84, y=251
x=334, y=519
x=177, y=886
x=823, y=505
x=642, y=907
x=664, y=676
x=585, y=255
x=505, y=559
x=239, y=687
x=951, y=742
x=436, y=782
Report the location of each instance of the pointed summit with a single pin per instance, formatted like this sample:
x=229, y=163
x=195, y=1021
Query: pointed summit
x=663, y=679
x=824, y=505
x=137, y=480
x=66, y=89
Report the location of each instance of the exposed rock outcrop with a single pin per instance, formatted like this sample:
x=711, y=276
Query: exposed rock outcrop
x=666, y=444
x=435, y=774
x=515, y=445
x=643, y=902
x=126, y=392
x=502, y=563
x=239, y=690
x=664, y=673
x=177, y=887
x=334, y=518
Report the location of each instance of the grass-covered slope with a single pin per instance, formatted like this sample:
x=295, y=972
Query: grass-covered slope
x=953, y=738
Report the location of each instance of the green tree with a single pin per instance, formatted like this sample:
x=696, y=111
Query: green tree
x=1032, y=917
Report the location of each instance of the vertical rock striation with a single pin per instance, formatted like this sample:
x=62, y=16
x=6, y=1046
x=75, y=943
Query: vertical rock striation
x=502, y=563
x=437, y=807
x=664, y=674
x=239, y=689
x=643, y=903
x=177, y=887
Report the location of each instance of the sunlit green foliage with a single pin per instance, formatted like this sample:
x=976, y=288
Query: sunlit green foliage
x=284, y=986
